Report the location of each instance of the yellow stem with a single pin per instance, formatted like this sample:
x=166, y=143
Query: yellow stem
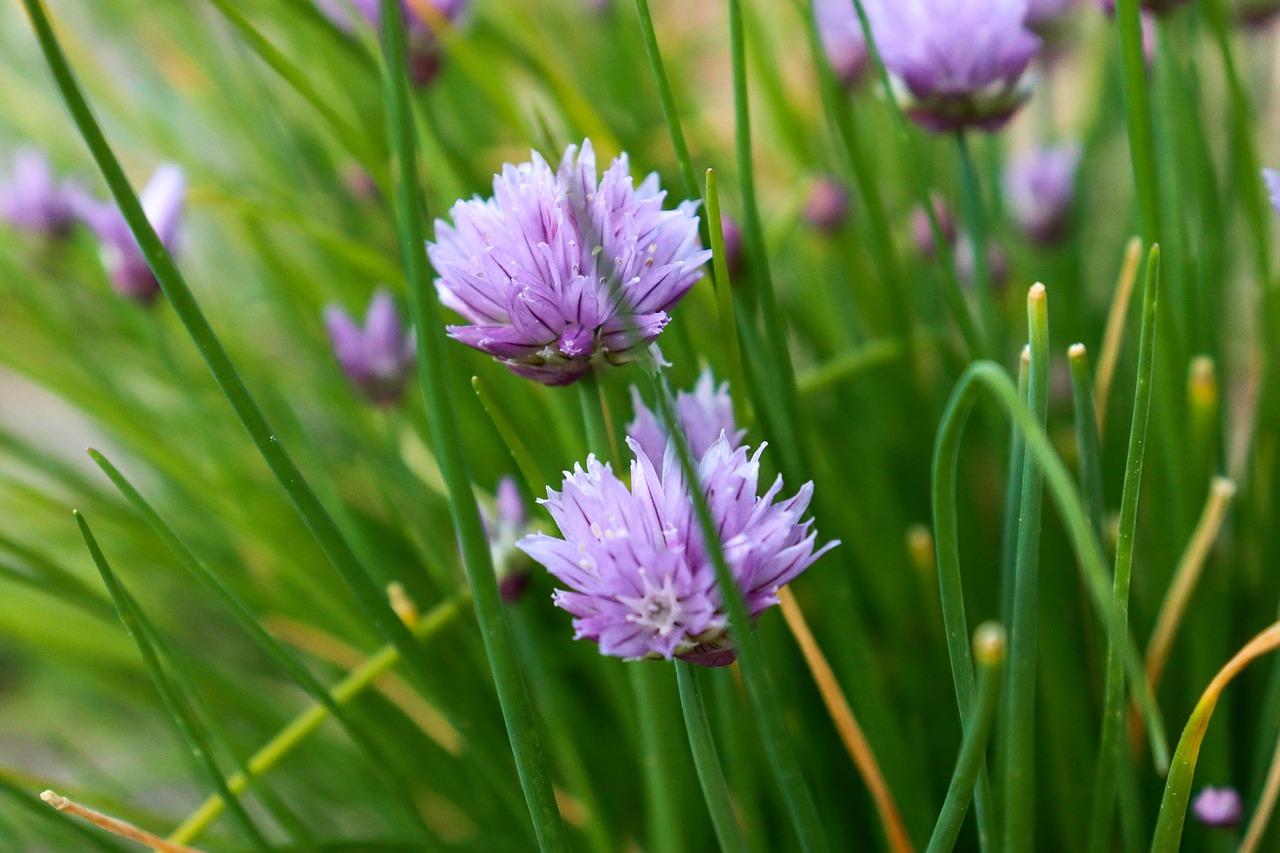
x=846, y=724
x=114, y=825
x=1115, y=329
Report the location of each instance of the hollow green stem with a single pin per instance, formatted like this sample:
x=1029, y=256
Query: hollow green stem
x=989, y=649
x=513, y=697
x=1142, y=149
x=183, y=718
x=705, y=757
x=1110, y=753
x=174, y=286
x=306, y=723
x=755, y=675
x=724, y=304
x=1087, y=441
x=668, y=101
x=976, y=223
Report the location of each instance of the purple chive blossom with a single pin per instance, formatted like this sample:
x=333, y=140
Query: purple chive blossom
x=504, y=525
x=424, y=48
x=640, y=581
x=1271, y=178
x=163, y=199
x=703, y=414
x=842, y=40
x=31, y=199
x=561, y=271
x=378, y=358
x=961, y=63
x=827, y=206
x=1039, y=185
x=732, y=246
x=1220, y=808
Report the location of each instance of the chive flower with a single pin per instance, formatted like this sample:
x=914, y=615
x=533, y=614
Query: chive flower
x=842, y=40
x=704, y=414
x=1271, y=178
x=424, y=52
x=32, y=200
x=377, y=358
x=640, y=579
x=1042, y=14
x=959, y=63
x=504, y=524
x=163, y=199
x=561, y=270
x=1040, y=184
x=1220, y=808
x=826, y=208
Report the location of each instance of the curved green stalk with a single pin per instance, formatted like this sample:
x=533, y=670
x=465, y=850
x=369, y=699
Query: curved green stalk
x=1110, y=753
x=302, y=496
x=306, y=723
x=990, y=377
x=710, y=774
x=1018, y=735
x=755, y=674
x=179, y=711
x=989, y=648
x=724, y=304
x=513, y=696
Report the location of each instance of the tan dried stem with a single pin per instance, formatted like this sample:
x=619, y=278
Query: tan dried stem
x=1114, y=333
x=846, y=724
x=1266, y=806
x=114, y=825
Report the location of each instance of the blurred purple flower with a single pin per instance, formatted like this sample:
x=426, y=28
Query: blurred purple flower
x=997, y=262
x=962, y=63
x=922, y=229
x=1039, y=184
x=1042, y=13
x=641, y=582
x=378, y=358
x=842, y=40
x=163, y=199
x=1256, y=14
x=31, y=199
x=504, y=525
x=1218, y=807
x=1271, y=178
x=560, y=272
x=703, y=414
x=733, y=256
x=827, y=206
x=423, y=46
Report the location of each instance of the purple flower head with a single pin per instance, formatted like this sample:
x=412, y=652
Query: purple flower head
x=842, y=40
x=504, y=524
x=962, y=63
x=561, y=271
x=32, y=200
x=424, y=48
x=1256, y=14
x=1272, y=179
x=703, y=414
x=1039, y=185
x=732, y=246
x=640, y=580
x=378, y=358
x=922, y=230
x=827, y=206
x=163, y=199
x=1218, y=807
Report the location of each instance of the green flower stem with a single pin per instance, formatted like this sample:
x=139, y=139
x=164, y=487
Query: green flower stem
x=249, y=622
x=976, y=222
x=303, y=497
x=513, y=697
x=989, y=648
x=1018, y=741
x=951, y=291
x=724, y=304
x=710, y=774
x=533, y=477
x=649, y=683
x=1110, y=754
x=989, y=376
x=669, y=113
x=1177, y=789
x=1137, y=100
x=755, y=675
x=1087, y=440
x=309, y=721
x=778, y=365
x=849, y=364
x=184, y=719
x=1013, y=499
